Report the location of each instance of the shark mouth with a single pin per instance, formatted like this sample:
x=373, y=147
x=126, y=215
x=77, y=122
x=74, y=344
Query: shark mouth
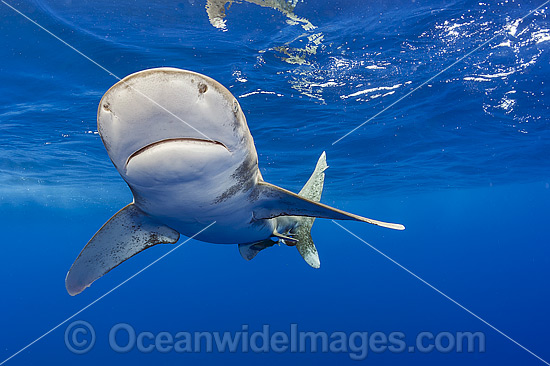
x=177, y=139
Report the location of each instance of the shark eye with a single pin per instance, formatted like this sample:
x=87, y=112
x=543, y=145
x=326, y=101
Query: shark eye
x=235, y=106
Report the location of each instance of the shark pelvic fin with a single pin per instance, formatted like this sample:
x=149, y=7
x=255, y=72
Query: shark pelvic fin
x=250, y=250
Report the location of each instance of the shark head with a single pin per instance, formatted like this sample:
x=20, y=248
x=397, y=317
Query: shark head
x=167, y=125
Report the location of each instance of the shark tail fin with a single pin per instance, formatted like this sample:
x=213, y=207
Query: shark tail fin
x=274, y=201
x=300, y=236
x=306, y=247
x=312, y=191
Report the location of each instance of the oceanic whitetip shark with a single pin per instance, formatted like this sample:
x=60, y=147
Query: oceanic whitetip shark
x=180, y=141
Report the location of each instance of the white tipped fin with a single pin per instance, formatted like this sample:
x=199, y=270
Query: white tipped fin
x=275, y=201
x=313, y=189
x=127, y=233
x=306, y=247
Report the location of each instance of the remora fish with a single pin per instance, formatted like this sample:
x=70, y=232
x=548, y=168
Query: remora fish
x=181, y=142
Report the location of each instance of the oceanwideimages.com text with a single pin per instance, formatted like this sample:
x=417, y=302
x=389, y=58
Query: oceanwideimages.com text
x=80, y=338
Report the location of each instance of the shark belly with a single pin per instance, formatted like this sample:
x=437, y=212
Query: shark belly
x=186, y=212
x=187, y=184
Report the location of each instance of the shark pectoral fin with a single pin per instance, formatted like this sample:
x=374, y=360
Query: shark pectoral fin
x=274, y=201
x=249, y=251
x=127, y=233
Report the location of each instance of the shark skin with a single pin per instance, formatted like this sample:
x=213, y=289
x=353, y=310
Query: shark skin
x=181, y=142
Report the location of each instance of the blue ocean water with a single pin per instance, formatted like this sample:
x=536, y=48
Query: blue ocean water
x=462, y=162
